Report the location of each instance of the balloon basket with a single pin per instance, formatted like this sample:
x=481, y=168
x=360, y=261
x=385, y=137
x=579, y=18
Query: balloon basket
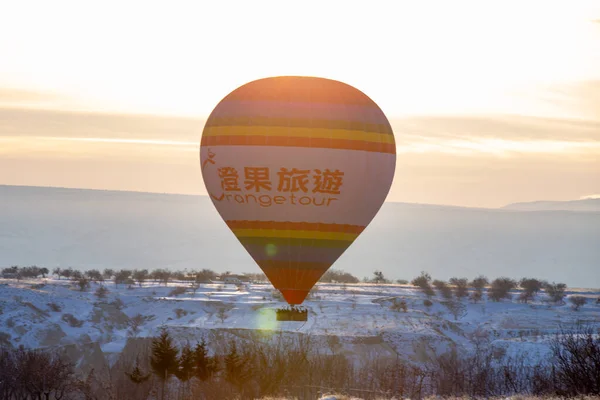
x=292, y=314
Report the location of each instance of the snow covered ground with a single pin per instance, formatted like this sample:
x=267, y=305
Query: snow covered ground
x=352, y=319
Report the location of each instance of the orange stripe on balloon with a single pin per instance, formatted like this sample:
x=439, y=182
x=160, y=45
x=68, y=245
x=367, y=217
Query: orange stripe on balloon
x=302, y=226
x=340, y=144
x=300, y=132
x=282, y=266
x=294, y=284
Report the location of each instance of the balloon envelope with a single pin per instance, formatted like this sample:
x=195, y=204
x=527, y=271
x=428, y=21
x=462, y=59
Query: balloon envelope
x=297, y=167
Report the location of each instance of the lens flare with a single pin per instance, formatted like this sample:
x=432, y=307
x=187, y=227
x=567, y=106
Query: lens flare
x=271, y=249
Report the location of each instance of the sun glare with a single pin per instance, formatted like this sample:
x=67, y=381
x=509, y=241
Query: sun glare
x=411, y=57
x=427, y=59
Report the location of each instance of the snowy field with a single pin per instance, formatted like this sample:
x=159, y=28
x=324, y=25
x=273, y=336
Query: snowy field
x=357, y=320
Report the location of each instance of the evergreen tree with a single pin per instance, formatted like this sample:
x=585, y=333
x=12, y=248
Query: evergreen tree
x=204, y=366
x=185, y=369
x=136, y=375
x=164, y=361
x=201, y=361
x=236, y=371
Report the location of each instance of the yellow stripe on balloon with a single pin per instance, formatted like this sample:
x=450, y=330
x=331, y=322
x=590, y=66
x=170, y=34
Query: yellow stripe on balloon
x=295, y=234
x=298, y=132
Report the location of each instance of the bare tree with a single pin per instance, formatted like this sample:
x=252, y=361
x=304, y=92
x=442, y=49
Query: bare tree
x=501, y=288
x=478, y=284
x=378, y=277
x=121, y=276
x=578, y=302
x=423, y=282
x=556, y=291
x=94, y=275
x=36, y=374
x=134, y=324
x=456, y=308
x=443, y=289
x=530, y=288
x=460, y=287
x=83, y=283
x=222, y=314
x=140, y=276
x=577, y=361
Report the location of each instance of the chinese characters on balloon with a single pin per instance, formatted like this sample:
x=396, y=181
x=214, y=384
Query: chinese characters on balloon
x=305, y=187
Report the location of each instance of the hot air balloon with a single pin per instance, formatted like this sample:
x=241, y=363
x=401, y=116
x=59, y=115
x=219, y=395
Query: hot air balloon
x=297, y=167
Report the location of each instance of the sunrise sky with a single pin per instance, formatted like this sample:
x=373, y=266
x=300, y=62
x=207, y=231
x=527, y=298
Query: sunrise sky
x=491, y=102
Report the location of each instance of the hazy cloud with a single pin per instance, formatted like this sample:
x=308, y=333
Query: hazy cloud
x=12, y=97
x=467, y=160
x=581, y=98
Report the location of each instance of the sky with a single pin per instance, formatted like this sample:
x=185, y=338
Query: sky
x=491, y=102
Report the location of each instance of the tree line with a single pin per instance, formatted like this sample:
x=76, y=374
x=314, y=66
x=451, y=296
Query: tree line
x=299, y=367
x=497, y=290
x=459, y=288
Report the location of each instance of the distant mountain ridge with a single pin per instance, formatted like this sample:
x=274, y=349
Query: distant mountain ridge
x=570, y=205
x=540, y=205
x=59, y=227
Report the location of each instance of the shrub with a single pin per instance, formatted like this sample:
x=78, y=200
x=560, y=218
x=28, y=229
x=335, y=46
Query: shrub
x=5, y=339
x=72, y=321
x=398, y=305
x=378, y=277
x=134, y=324
x=101, y=292
x=54, y=307
x=177, y=291
x=456, y=308
x=83, y=284
x=577, y=302
x=180, y=312
x=118, y=303
x=476, y=296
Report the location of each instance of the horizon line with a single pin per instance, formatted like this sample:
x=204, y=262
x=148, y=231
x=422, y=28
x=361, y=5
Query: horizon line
x=502, y=208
